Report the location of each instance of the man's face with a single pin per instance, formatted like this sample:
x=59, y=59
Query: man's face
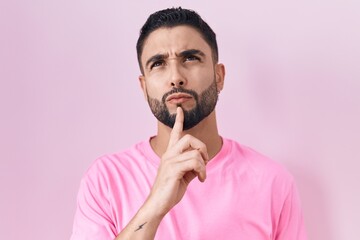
x=179, y=71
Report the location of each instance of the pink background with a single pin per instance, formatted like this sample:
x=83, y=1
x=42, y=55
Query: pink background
x=69, y=93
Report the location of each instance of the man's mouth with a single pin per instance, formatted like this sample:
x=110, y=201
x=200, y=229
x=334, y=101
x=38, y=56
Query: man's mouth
x=178, y=98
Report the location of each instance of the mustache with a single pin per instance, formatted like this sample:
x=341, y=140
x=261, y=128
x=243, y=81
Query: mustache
x=180, y=90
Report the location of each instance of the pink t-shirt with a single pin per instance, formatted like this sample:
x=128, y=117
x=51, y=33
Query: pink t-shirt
x=245, y=196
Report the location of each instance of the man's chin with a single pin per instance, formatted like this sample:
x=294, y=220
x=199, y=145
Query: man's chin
x=186, y=109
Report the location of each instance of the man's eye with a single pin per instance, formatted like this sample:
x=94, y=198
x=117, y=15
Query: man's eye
x=191, y=58
x=157, y=64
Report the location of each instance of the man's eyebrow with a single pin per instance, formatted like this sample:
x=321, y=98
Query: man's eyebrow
x=190, y=52
x=156, y=57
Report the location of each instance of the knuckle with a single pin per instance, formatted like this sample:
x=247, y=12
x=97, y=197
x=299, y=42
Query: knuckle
x=204, y=147
x=187, y=137
x=197, y=154
x=194, y=154
x=193, y=165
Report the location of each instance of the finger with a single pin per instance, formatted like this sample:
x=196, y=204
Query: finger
x=177, y=130
x=188, y=156
x=194, y=169
x=189, y=176
x=190, y=142
x=191, y=161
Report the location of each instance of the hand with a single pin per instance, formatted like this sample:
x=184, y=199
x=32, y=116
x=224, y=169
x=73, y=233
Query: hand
x=184, y=159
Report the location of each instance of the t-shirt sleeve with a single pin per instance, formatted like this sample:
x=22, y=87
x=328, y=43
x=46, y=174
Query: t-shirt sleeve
x=291, y=224
x=92, y=218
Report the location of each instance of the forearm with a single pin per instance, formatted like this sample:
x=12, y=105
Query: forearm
x=143, y=225
x=185, y=159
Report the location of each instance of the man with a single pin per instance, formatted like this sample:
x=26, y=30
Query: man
x=150, y=190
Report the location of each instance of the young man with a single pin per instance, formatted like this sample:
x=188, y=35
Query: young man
x=150, y=191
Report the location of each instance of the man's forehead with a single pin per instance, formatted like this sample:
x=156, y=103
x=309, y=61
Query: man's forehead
x=174, y=40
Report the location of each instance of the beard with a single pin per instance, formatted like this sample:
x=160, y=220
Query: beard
x=205, y=104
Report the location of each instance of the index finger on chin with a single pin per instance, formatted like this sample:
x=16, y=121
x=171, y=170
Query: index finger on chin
x=177, y=130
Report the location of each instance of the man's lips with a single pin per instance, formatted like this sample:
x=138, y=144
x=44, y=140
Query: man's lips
x=178, y=98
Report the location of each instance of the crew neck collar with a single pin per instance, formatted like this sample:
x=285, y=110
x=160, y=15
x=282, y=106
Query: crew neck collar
x=155, y=159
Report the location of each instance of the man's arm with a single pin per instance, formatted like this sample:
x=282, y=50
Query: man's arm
x=184, y=159
x=143, y=225
x=291, y=222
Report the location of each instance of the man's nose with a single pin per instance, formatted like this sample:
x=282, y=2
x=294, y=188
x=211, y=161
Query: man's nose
x=177, y=78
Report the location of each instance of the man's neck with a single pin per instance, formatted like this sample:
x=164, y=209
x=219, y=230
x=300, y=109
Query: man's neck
x=206, y=131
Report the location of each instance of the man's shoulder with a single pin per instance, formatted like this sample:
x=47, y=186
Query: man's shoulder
x=256, y=162
x=123, y=159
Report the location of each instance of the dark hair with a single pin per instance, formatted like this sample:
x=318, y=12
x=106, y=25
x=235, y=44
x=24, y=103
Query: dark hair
x=173, y=17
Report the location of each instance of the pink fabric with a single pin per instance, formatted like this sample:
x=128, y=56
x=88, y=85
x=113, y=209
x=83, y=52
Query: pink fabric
x=245, y=196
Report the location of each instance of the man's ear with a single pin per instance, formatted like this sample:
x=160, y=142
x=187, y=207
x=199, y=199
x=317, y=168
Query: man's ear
x=220, y=75
x=143, y=85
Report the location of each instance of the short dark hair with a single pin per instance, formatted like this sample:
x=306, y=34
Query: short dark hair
x=173, y=17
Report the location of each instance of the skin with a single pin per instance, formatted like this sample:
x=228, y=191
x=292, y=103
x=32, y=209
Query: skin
x=184, y=154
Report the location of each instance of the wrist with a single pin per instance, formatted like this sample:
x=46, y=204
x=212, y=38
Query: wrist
x=153, y=210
